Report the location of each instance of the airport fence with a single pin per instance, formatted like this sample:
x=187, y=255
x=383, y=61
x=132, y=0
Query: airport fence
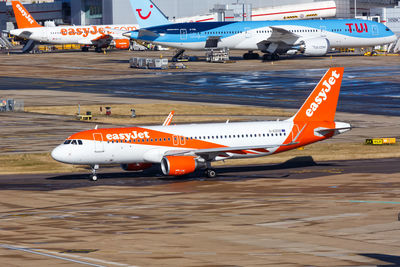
x=9, y=105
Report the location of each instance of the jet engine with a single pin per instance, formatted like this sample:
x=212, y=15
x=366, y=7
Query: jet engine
x=122, y=43
x=179, y=165
x=315, y=47
x=135, y=166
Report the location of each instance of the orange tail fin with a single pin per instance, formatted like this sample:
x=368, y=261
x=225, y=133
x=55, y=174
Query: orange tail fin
x=322, y=102
x=22, y=16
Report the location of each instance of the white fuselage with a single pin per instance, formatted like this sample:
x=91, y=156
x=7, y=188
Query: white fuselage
x=150, y=144
x=85, y=35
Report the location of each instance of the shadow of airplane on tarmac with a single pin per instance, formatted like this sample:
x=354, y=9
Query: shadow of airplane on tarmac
x=224, y=173
x=392, y=260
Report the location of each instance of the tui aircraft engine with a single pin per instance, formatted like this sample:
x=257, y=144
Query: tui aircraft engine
x=314, y=47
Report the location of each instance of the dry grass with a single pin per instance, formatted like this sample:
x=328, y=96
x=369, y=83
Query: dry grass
x=156, y=113
x=34, y=163
x=43, y=163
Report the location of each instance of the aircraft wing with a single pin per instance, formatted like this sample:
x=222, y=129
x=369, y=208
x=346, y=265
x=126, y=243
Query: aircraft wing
x=280, y=39
x=211, y=153
x=103, y=40
x=25, y=34
x=280, y=34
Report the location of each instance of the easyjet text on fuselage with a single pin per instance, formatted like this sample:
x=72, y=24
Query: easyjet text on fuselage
x=127, y=136
x=93, y=30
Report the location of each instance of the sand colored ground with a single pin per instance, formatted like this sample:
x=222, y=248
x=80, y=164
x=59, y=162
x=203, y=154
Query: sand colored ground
x=336, y=220
x=157, y=113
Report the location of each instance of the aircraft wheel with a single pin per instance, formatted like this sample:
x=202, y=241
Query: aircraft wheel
x=85, y=49
x=246, y=56
x=93, y=177
x=255, y=56
x=266, y=57
x=211, y=173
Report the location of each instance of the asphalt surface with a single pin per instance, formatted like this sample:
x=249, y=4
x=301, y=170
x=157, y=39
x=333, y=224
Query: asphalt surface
x=367, y=90
x=296, y=168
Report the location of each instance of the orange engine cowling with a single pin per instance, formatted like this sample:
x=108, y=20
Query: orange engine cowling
x=179, y=165
x=136, y=166
x=122, y=43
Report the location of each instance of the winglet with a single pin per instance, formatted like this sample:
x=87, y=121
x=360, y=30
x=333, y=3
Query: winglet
x=321, y=103
x=23, y=17
x=148, y=14
x=169, y=119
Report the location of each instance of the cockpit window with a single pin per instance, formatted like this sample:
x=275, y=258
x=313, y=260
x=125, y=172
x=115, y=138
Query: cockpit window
x=73, y=142
x=387, y=29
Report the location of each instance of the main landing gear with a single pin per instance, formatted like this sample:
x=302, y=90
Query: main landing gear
x=251, y=55
x=93, y=176
x=210, y=173
x=268, y=57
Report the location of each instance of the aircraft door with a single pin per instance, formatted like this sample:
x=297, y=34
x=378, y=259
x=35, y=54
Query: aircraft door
x=175, y=140
x=98, y=142
x=183, y=33
x=323, y=31
x=374, y=30
x=247, y=33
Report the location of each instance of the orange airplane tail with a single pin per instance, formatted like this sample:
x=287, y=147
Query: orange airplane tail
x=321, y=103
x=23, y=17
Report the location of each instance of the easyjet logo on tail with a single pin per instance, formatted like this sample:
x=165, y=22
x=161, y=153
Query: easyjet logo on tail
x=323, y=94
x=25, y=14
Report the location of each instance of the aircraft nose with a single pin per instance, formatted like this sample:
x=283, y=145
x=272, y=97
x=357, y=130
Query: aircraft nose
x=59, y=154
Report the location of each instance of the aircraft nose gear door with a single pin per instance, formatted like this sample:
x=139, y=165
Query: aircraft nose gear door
x=98, y=142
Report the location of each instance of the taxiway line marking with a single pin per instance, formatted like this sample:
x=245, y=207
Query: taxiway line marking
x=302, y=220
x=374, y=201
x=48, y=255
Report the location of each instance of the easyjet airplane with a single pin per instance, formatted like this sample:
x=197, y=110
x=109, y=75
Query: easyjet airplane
x=181, y=149
x=99, y=36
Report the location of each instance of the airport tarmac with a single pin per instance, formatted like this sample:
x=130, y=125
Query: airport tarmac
x=296, y=214
x=302, y=212
x=366, y=88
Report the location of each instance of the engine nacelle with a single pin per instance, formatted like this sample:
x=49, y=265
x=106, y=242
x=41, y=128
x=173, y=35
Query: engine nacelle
x=122, y=43
x=315, y=47
x=136, y=166
x=179, y=165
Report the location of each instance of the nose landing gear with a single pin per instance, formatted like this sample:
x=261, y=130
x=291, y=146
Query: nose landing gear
x=93, y=176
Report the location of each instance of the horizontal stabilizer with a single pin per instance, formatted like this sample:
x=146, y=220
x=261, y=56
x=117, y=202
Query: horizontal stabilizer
x=143, y=32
